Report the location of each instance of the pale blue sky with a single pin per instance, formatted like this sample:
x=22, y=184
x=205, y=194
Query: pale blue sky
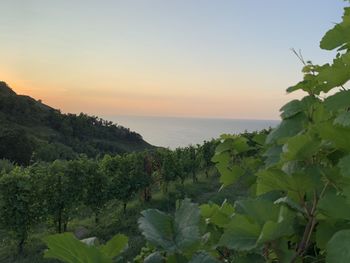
x=210, y=58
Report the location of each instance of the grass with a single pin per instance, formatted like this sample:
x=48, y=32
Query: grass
x=113, y=220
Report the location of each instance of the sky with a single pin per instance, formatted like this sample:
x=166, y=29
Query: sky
x=193, y=58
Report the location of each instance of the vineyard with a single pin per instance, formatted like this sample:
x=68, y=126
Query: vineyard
x=59, y=196
x=295, y=183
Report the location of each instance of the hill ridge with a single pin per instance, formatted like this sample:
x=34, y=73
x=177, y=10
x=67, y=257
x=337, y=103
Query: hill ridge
x=47, y=134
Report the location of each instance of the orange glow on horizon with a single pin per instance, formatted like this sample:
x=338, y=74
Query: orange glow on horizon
x=242, y=103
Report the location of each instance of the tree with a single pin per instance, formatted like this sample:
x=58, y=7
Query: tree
x=207, y=151
x=20, y=206
x=192, y=162
x=96, y=187
x=122, y=183
x=180, y=155
x=170, y=169
x=65, y=190
x=141, y=173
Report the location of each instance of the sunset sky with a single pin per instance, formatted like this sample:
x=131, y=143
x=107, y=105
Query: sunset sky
x=196, y=58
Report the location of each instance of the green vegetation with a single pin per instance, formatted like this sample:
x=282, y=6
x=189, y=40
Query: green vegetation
x=86, y=193
x=298, y=205
x=284, y=195
x=67, y=248
x=31, y=131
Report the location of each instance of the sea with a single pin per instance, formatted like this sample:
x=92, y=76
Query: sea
x=173, y=132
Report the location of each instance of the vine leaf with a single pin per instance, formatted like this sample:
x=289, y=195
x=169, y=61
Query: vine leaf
x=343, y=119
x=300, y=147
x=157, y=227
x=217, y=215
x=339, y=35
x=114, y=246
x=229, y=176
x=291, y=109
x=344, y=165
x=286, y=128
x=339, y=211
x=338, y=135
x=324, y=232
x=173, y=234
x=338, y=101
x=338, y=249
x=241, y=234
x=67, y=248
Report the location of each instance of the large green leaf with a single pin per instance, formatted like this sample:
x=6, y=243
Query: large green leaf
x=338, y=249
x=187, y=218
x=334, y=206
x=281, y=227
x=222, y=158
x=230, y=175
x=271, y=180
x=224, y=146
x=172, y=234
x=336, y=74
x=338, y=101
x=326, y=229
x=343, y=119
x=158, y=227
x=259, y=210
x=339, y=136
x=339, y=35
x=260, y=138
x=287, y=128
x=67, y=248
x=308, y=84
x=291, y=108
x=287, y=201
x=114, y=246
x=241, y=234
x=300, y=147
x=240, y=144
x=273, y=155
x=217, y=215
x=344, y=165
x=275, y=230
x=276, y=180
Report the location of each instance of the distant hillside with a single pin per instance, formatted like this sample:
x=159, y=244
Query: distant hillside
x=31, y=131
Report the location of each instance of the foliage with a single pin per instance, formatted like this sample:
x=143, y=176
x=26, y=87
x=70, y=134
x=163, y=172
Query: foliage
x=96, y=187
x=16, y=145
x=65, y=190
x=67, y=248
x=207, y=151
x=298, y=208
x=176, y=237
x=19, y=205
x=6, y=166
x=297, y=175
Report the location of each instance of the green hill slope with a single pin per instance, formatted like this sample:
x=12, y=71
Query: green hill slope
x=31, y=130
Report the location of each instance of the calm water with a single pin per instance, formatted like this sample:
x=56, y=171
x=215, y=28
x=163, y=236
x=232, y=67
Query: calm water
x=175, y=132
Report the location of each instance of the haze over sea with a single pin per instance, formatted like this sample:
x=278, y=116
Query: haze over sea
x=175, y=132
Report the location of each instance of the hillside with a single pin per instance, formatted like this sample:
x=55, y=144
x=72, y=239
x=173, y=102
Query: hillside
x=31, y=130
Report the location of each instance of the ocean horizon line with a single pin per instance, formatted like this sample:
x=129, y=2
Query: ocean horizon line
x=186, y=117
